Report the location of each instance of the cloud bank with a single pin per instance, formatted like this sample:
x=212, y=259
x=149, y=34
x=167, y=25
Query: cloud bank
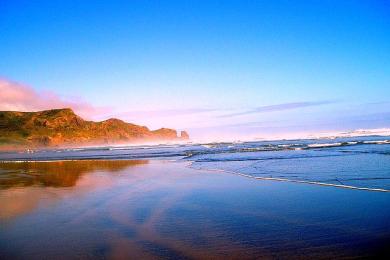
x=163, y=112
x=18, y=97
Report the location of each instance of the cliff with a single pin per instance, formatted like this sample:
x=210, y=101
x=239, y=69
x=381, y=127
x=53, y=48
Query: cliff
x=62, y=127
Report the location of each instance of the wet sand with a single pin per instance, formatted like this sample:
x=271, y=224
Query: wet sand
x=165, y=209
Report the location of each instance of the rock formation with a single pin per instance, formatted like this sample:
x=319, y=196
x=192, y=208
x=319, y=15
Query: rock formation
x=62, y=127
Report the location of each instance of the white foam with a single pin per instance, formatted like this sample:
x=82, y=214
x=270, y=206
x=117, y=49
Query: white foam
x=323, y=145
x=377, y=142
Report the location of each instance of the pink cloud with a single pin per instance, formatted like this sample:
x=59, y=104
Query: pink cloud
x=18, y=97
x=164, y=112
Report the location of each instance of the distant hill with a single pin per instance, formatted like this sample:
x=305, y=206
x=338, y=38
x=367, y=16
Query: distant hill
x=62, y=127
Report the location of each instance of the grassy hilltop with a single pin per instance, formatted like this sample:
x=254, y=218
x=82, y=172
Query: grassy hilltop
x=62, y=127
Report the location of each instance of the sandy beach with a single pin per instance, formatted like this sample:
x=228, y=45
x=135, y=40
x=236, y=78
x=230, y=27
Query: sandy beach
x=159, y=208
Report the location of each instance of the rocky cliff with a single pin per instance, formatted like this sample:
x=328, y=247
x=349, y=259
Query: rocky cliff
x=62, y=127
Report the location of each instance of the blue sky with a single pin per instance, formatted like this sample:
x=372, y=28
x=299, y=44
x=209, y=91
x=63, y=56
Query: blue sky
x=226, y=68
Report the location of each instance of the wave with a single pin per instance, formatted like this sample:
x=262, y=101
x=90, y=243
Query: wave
x=265, y=158
x=324, y=145
x=262, y=147
x=377, y=142
x=191, y=151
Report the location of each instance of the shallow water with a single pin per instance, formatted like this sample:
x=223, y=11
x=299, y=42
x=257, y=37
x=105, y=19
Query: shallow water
x=148, y=209
x=356, y=162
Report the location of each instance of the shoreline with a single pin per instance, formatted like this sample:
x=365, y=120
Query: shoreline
x=295, y=181
x=189, y=164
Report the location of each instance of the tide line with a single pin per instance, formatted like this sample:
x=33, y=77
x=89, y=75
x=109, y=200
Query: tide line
x=296, y=181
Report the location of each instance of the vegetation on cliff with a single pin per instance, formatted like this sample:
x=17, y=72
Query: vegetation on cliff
x=62, y=127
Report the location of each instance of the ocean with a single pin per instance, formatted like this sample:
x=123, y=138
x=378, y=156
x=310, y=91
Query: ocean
x=353, y=162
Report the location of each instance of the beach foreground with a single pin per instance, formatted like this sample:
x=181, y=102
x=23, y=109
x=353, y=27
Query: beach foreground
x=164, y=208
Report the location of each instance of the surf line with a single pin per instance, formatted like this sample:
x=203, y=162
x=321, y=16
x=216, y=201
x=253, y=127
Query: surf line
x=295, y=181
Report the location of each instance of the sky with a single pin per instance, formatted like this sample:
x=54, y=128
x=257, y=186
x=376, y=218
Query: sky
x=218, y=69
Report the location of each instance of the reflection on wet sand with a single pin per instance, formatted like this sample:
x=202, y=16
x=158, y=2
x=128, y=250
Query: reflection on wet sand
x=133, y=203
x=56, y=173
x=26, y=185
x=164, y=209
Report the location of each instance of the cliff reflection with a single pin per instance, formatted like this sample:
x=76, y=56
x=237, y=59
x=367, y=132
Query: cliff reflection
x=57, y=173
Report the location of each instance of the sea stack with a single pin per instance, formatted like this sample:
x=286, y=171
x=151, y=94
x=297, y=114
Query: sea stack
x=184, y=135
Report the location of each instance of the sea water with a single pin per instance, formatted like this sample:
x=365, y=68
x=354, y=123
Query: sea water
x=353, y=162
